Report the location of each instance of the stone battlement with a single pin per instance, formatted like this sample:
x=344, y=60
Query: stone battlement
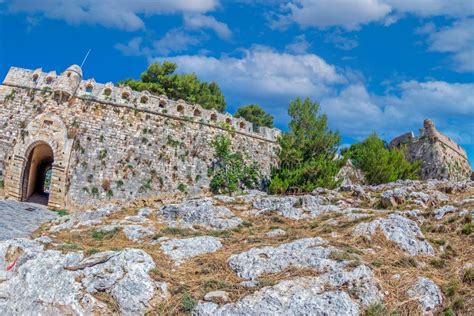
x=98, y=142
x=110, y=94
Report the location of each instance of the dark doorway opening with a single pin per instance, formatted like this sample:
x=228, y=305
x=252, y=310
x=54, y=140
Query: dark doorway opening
x=36, y=182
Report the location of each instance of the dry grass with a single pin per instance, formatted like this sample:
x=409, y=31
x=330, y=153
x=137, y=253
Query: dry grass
x=190, y=281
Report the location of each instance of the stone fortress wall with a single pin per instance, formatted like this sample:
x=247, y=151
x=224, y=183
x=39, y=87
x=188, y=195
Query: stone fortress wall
x=441, y=157
x=111, y=142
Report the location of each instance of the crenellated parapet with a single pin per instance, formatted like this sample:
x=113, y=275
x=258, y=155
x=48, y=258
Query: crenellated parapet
x=70, y=84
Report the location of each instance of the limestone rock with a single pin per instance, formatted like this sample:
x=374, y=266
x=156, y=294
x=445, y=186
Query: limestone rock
x=217, y=295
x=349, y=174
x=428, y=293
x=303, y=253
x=137, y=232
x=399, y=229
x=295, y=297
x=182, y=249
x=322, y=295
x=87, y=218
x=276, y=233
x=393, y=198
x=199, y=212
x=49, y=282
x=440, y=212
x=295, y=207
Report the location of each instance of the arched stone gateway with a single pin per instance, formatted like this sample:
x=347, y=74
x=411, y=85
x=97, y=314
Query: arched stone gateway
x=37, y=169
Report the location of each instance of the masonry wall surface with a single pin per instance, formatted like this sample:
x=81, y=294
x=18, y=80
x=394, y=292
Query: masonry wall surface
x=121, y=144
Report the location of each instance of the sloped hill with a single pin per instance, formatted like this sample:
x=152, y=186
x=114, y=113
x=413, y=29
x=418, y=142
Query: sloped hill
x=403, y=247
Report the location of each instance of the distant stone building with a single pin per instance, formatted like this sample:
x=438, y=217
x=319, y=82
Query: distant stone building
x=441, y=157
x=67, y=142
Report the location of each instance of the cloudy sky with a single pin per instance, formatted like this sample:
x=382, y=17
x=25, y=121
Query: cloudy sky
x=374, y=65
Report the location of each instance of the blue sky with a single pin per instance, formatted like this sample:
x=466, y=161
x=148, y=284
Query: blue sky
x=374, y=65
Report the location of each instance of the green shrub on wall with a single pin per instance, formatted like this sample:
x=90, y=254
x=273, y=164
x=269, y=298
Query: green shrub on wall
x=229, y=171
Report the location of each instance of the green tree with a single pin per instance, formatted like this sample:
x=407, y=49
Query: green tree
x=256, y=115
x=307, y=151
x=379, y=163
x=162, y=79
x=229, y=171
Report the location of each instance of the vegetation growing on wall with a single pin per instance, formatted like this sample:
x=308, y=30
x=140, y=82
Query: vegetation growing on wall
x=307, y=151
x=160, y=78
x=256, y=115
x=229, y=171
x=379, y=163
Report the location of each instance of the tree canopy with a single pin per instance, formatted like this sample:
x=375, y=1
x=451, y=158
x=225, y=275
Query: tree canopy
x=255, y=114
x=308, y=150
x=379, y=163
x=160, y=78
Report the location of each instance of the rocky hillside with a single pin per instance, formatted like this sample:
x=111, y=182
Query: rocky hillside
x=404, y=247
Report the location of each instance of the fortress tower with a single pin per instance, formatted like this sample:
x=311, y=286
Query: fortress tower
x=67, y=83
x=441, y=157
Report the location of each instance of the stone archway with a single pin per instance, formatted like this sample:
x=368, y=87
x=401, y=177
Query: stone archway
x=41, y=146
x=40, y=158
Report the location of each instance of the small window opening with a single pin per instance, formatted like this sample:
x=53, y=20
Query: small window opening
x=107, y=91
x=213, y=117
x=180, y=109
x=144, y=99
x=197, y=113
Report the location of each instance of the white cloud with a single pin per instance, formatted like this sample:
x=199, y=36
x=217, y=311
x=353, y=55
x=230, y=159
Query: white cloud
x=357, y=113
x=341, y=41
x=326, y=13
x=122, y=14
x=132, y=48
x=457, y=39
x=263, y=71
x=351, y=15
x=174, y=41
x=425, y=8
x=199, y=21
x=299, y=46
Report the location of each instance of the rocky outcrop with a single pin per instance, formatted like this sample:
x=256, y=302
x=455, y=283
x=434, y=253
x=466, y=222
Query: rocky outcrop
x=440, y=156
x=200, y=212
x=38, y=281
x=180, y=250
x=399, y=229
